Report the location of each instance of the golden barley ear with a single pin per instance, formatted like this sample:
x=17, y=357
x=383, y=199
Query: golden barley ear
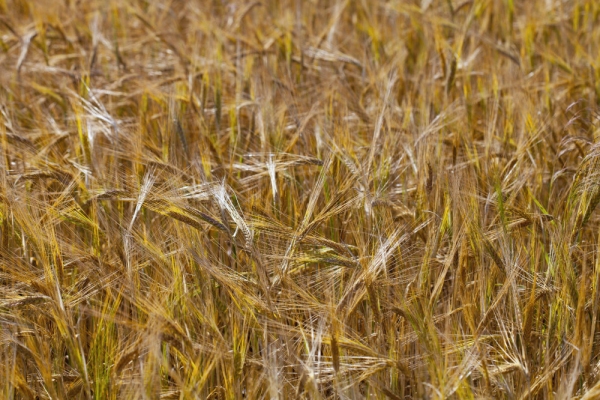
x=299, y=199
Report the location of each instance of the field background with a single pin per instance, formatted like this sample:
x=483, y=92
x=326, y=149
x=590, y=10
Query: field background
x=338, y=199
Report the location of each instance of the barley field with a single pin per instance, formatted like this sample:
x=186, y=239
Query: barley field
x=299, y=199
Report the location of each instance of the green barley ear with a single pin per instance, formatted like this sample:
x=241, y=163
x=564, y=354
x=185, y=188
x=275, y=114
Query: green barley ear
x=585, y=190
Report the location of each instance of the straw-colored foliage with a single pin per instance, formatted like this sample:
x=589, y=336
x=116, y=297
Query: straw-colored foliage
x=338, y=199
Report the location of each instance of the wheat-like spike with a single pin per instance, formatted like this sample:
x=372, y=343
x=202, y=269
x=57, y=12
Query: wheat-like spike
x=223, y=200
